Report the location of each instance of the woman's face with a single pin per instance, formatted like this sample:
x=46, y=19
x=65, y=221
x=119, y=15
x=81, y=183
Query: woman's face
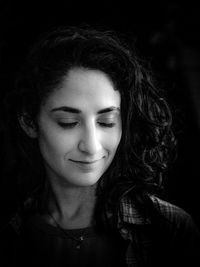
x=79, y=128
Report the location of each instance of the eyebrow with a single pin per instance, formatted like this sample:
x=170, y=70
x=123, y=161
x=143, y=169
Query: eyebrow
x=78, y=111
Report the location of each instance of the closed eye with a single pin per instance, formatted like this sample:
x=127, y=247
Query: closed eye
x=109, y=125
x=70, y=125
x=67, y=125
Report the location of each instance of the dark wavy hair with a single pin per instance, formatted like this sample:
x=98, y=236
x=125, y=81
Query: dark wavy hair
x=147, y=143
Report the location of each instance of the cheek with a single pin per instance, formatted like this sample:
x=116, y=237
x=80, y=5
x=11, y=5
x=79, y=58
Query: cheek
x=111, y=142
x=54, y=144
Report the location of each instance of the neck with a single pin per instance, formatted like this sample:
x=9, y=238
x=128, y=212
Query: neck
x=72, y=207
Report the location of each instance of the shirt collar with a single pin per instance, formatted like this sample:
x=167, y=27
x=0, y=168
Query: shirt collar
x=129, y=213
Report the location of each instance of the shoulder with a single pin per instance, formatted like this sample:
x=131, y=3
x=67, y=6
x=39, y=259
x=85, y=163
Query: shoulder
x=15, y=222
x=164, y=228
x=169, y=211
x=176, y=219
x=181, y=230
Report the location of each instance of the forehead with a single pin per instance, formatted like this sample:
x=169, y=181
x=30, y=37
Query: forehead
x=83, y=89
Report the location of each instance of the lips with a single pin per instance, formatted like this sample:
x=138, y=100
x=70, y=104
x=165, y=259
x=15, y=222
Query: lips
x=85, y=165
x=84, y=162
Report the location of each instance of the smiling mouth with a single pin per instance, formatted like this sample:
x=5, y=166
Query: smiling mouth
x=84, y=162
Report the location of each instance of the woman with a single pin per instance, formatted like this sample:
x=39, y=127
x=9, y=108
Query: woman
x=92, y=138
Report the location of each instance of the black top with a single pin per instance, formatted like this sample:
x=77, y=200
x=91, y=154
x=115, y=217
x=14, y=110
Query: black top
x=168, y=237
x=42, y=244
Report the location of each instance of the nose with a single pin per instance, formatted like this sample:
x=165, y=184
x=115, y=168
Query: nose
x=90, y=140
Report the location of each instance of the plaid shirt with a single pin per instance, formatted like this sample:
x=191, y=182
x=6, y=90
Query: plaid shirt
x=137, y=231
x=176, y=220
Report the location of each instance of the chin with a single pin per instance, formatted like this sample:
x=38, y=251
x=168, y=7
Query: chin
x=89, y=180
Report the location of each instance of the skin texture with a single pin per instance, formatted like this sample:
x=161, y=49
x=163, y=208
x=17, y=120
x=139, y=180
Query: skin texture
x=78, y=132
x=78, y=147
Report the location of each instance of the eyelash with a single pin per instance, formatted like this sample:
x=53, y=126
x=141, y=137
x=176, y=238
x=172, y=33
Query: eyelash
x=73, y=124
x=108, y=125
x=67, y=125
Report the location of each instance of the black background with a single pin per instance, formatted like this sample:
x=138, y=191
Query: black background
x=167, y=33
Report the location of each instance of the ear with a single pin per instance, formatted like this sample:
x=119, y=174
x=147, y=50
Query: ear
x=27, y=125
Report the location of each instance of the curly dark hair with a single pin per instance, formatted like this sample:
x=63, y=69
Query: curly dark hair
x=147, y=139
